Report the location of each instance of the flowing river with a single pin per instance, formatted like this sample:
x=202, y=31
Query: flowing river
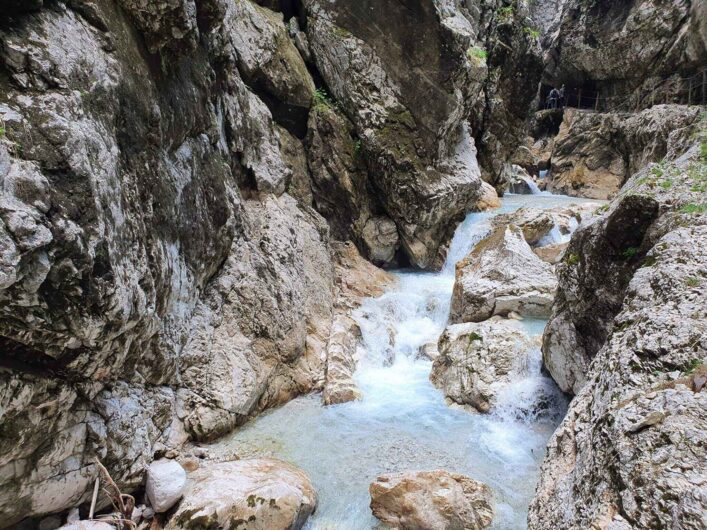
x=403, y=423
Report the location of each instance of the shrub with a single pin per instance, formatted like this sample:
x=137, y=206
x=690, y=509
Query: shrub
x=477, y=54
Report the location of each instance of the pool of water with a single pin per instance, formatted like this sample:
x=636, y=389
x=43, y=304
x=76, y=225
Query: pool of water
x=403, y=423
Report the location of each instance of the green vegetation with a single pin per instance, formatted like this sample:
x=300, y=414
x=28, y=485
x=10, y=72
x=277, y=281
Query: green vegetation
x=473, y=336
x=572, y=259
x=649, y=261
x=629, y=253
x=506, y=12
x=693, y=365
x=2, y=131
x=341, y=32
x=357, y=147
x=693, y=281
x=477, y=55
x=666, y=184
x=321, y=100
x=691, y=208
x=532, y=32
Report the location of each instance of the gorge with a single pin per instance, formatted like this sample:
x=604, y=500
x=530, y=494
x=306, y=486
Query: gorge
x=257, y=257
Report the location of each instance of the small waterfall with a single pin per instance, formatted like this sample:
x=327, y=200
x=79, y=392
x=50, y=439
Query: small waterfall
x=403, y=422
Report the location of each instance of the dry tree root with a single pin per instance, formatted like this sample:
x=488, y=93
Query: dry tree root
x=122, y=502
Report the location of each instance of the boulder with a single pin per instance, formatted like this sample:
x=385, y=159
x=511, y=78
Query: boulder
x=166, y=480
x=261, y=494
x=548, y=226
x=551, y=253
x=342, y=358
x=500, y=275
x=431, y=500
x=477, y=360
x=428, y=351
x=488, y=199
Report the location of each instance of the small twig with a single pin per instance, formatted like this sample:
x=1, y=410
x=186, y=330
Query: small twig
x=94, y=498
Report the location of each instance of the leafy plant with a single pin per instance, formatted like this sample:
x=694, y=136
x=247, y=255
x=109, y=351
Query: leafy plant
x=2, y=131
x=572, y=259
x=321, y=99
x=506, y=12
x=693, y=365
x=629, y=253
x=477, y=54
x=532, y=32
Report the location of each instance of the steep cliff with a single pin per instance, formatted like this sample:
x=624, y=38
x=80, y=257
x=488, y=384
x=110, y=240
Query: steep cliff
x=163, y=273
x=628, y=336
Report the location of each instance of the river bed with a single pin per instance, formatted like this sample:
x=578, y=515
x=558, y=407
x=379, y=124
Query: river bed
x=403, y=423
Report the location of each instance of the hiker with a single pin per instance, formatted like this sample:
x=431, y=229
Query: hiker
x=553, y=98
x=561, y=99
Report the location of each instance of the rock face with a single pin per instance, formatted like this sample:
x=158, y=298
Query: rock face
x=476, y=360
x=624, y=47
x=631, y=451
x=165, y=484
x=502, y=274
x=163, y=276
x=433, y=500
x=257, y=494
x=595, y=153
x=417, y=150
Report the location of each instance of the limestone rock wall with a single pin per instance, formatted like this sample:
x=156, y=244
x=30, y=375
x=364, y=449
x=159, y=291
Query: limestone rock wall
x=628, y=337
x=165, y=269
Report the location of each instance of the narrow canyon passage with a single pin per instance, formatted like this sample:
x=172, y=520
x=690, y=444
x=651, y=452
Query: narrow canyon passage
x=402, y=422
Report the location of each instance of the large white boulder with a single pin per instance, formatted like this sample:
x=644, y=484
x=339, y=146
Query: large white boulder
x=502, y=275
x=252, y=494
x=166, y=480
x=477, y=360
x=431, y=500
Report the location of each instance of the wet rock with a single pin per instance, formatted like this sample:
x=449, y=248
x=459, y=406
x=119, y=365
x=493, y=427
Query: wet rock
x=630, y=452
x=266, y=494
x=434, y=500
x=50, y=523
x=488, y=199
x=428, y=351
x=477, y=360
x=166, y=480
x=342, y=359
x=595, y=153
x=381, y=240
x=542, y=227
x=502, y=274
x=356, y=279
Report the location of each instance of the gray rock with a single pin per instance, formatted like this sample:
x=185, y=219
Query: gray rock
x=166, y=480
x=595, y=153
x=476, y=361
x=502, y=275
x=630, y=452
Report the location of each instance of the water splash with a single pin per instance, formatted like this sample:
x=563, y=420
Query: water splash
x=403, y=423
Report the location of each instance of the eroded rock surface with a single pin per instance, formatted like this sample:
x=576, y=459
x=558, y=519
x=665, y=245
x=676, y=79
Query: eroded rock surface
x=595, y=153
x=628, y=335
x=501, y=275
x=258, y=494
x=433, y=500
x=476, y=360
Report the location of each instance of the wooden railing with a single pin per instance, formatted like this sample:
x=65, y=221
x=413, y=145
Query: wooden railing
x=688, y=91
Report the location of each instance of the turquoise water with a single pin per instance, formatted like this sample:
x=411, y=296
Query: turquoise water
x=402, y=422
